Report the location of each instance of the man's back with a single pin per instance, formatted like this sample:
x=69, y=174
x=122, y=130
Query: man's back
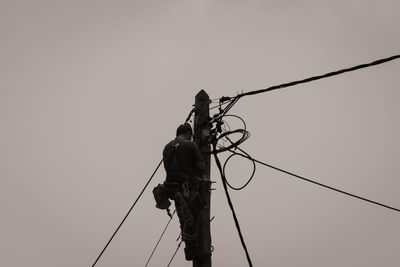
x=182, y=157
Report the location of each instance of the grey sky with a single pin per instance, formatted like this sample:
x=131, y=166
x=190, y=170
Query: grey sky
x=90, y=91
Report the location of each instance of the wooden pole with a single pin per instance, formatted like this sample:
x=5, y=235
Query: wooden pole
x=202, y=139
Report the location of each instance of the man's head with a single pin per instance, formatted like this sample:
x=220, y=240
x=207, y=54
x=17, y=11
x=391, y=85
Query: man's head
x=185, y=130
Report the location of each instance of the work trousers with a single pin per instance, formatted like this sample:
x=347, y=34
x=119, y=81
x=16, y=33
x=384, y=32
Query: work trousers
x=188, y=204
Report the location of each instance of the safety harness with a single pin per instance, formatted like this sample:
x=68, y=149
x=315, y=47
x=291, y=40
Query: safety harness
x=163, y=192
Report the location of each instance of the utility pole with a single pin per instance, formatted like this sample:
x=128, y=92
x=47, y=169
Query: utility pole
x=202, y=139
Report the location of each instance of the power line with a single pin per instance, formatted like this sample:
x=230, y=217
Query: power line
x=158, y=242
x=314, y=182
x=176, y=251
x=329, y=74
x=248, y=180
x=326, y=75
x=127, y=214
x=230, y=104
x=234, y=99
x=234, y=145
x=231, y=205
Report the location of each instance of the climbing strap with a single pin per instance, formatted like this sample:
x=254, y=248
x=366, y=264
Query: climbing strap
x=185, y=188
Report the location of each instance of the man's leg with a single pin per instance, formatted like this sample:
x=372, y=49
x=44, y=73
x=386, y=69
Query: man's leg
x=188, y=226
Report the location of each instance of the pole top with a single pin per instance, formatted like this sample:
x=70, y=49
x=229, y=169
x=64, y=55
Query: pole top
x=202, y=95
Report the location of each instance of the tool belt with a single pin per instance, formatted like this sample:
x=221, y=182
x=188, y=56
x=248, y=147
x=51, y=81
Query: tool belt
x=189, y=189
x=177, y=177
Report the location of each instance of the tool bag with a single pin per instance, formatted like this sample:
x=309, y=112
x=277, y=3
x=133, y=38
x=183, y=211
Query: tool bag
x=161, y=197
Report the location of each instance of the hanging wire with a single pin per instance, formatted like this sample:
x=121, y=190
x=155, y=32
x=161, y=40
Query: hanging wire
x=248, y=180
x=234, y=146
x=176, y=251
x=161, y=236
x=223, y=178
x=127, y=214
x=229, y=102
x=232, y=100
x=318, y=77
x=246, y=155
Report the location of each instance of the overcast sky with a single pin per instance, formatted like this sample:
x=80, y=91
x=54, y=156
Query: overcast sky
x=91, y=91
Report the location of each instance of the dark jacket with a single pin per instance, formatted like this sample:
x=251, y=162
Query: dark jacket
x=182, y=158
